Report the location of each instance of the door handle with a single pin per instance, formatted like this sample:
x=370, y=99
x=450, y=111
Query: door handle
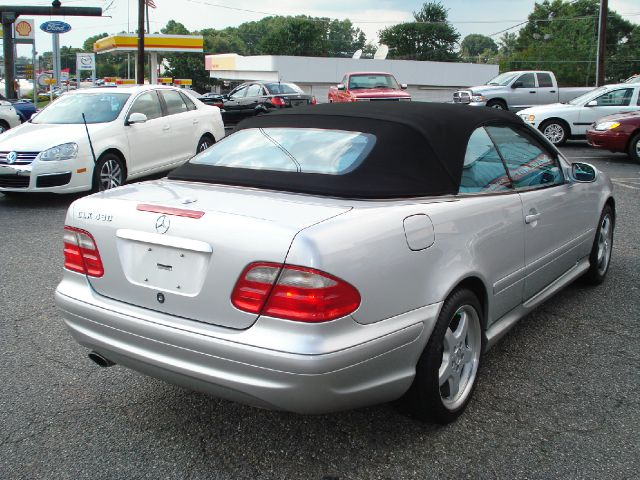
x=532, y=91
x=166, y=127
x=532, y=217
x=552, y=91
x=195, y=122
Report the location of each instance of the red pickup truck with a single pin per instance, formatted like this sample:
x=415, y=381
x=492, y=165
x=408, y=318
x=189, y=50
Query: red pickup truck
x=368, y=86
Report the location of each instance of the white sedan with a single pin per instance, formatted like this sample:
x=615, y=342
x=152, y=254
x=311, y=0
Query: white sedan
x=8, y=116
x=96, y=139
x=561, y=121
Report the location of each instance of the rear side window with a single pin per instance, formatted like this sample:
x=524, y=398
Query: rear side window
x=544, y=80
x=529, y=165
x=303, y=150
x=174, y=102
x=483, y=170
x=188, y=102
x=148, y=104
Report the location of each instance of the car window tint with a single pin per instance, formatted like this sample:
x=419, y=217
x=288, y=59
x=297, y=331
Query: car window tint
x=188, y=102
x=528, y=80
x=615, y=98
x=544, y=80
x=174, y=102
x=304, y=150
x=529, y=165
x=148, y=104
x=254, y=91
x=289, y=88
x=239, y=93
x=483, y=170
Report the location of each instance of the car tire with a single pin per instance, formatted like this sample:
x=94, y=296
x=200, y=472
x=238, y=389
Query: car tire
x=634, y=147
x=108, y=173
x=497, y=104
x=449, y=361
x=4, y=126
x=600, y=256
x=205, y=142
x=555, y=131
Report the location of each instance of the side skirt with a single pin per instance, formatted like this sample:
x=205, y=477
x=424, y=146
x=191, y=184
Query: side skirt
x=501, y=326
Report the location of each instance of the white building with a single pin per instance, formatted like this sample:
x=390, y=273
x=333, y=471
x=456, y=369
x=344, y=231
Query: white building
x=427, y=81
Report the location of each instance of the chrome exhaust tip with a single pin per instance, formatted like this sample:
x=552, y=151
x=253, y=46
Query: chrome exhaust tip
x=100, y=360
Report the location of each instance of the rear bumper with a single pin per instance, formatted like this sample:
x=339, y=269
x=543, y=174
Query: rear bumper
x=616, y=142
x=275, y=364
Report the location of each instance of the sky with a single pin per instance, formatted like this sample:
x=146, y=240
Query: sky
x=468, y=16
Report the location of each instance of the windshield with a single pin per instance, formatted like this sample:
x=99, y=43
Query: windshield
x=372, y=81
x=303, y=150
x=587, y=97
x=97, y=108
x=283, y=88
x=503, y=79
x=633, y=79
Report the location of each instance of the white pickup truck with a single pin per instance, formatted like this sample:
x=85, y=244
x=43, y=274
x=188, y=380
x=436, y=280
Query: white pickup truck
x=517, y=90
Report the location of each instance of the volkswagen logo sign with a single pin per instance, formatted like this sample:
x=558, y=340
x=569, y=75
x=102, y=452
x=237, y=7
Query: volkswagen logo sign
x=12, y=157
x=162, y=224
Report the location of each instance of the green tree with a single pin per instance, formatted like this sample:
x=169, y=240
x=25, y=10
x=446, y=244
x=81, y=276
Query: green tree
x=430, y=37
x=508, y=43
x=344, y=39
x=186, y=65
x=301, y=36
x=87, y=46
x=562, y=37
x=475, y=44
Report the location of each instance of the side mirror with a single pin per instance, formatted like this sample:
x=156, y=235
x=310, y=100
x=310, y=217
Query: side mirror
x=341, y=86
x=592, y=103
x=517, y=84
x=136, y=118
x=583, y=172
x=403, y=86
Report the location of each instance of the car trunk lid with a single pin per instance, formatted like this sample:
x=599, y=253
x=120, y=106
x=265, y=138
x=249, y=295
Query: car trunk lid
x=178, y=247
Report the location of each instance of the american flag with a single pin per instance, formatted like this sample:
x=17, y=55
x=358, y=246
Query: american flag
x=150, y=3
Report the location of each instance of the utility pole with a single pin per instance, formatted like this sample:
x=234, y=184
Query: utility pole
x=140, y=58
x=602, y=43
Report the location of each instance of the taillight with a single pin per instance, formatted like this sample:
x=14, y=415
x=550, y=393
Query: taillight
x=277, y=102
x=293, y=293
x=81, y=253
x=314, y=101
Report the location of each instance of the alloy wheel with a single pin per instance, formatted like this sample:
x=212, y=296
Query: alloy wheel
x=605, y=241
x=110, y=174
x=460, y=357
x=554, y=133
x=204, y=144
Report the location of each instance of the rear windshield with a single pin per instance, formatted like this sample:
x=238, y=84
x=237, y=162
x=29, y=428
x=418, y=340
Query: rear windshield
x=303, y=150
x=277, y=88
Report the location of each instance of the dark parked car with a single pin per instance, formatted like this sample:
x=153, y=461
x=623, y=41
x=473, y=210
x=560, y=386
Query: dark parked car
x=253, y=98
x=617, y=133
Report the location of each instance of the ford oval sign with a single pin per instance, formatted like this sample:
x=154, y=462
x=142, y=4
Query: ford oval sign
x=55, y=26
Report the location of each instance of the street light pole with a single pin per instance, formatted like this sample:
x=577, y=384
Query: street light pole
x=140, y=59
x=602, y=43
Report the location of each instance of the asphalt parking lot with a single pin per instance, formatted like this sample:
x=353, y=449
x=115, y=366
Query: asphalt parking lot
x=557, y=398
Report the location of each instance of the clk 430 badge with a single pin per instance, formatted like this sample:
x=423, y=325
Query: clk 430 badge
x=95, y=216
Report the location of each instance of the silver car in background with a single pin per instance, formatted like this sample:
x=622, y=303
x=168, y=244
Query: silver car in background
x=336, y=256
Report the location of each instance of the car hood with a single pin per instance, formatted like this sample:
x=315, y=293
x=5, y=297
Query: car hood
x=379, y=93
x=38, y=137
x=482, y=89
x=553, y=107
x=629, y=117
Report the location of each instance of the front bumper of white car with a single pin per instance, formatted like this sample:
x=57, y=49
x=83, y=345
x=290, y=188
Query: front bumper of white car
x=274, y=364
x=64, y=176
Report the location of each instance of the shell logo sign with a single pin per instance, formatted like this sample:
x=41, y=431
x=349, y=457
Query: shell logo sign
x=24, y=30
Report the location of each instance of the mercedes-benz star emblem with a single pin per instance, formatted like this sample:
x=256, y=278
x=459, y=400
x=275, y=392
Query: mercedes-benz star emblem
x=11, y=157
x=162, y=224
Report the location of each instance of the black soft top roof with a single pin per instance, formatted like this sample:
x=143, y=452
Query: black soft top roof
x=419, y=149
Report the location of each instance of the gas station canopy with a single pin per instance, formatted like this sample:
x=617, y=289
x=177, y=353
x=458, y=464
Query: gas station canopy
x=126, y=42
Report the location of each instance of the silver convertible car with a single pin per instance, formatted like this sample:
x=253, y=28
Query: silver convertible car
x=335, y=256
